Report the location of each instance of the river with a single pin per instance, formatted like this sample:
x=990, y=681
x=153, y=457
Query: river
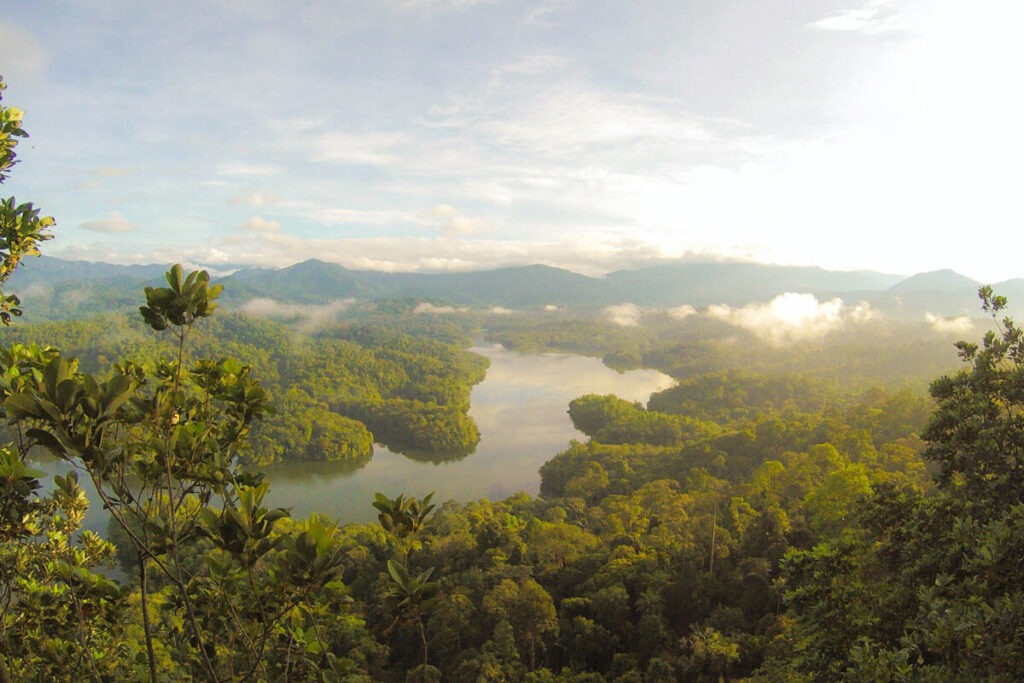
x=520, y=409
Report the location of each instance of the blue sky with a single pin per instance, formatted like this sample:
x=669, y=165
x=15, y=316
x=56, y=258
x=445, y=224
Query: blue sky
x=463, y=134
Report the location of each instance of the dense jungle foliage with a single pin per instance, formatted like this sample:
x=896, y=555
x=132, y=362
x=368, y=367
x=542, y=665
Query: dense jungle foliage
x=747, y=524
x=334, y=393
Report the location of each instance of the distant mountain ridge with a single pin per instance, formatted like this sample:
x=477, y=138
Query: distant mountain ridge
x=47, y=270
x=47, y=282
x=935, y=281
x=670, y=284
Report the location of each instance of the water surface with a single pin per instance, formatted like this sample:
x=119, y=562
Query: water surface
x=520, y=408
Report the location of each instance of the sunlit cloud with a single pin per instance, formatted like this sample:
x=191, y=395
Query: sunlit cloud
x=626, y=315
x=254, y=198
x=681, y=312
x=876, y=16
x=743, y=139
x=258, y=224
x=500, y=310
x=792, y=317
x=956, y=325
x=451, y=223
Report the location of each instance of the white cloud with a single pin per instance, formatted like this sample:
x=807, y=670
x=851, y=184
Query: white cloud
x=213, y=272
x=539, y=13
x=438, y=5
x=113, y=171
x=116, y=223
x=875, y=17
x=462, y=225
x=259, y=224
x=440, y=211
x=22, y=54
x=254, y=198
x=500, y=310
x=342, y=216
x=862, y=313
x=361, y=149
x=551, y=307
x=241, y=168
x=792, y=317
x=626, y=315
x=681, y=312
x=958, y=325
x=579, y=119
x=451, y=223
x=536, y=125
x=309, y=317
x=427, y=307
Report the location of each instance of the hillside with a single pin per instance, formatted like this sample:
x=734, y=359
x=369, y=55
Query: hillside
x=56, y=289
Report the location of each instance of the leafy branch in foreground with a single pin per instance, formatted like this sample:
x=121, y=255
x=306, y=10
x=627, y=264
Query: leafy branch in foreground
x=21, y=227
x=161, y=446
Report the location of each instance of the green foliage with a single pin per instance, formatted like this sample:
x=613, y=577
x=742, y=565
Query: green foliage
x=327, y=391
x=59, y=617
x=21, y=227
x=160, y=444
x=928, y=588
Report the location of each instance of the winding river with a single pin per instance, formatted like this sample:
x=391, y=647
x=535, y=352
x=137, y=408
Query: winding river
x=520, y=409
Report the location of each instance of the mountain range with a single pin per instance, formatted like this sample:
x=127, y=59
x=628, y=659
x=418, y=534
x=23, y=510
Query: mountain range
x=54, y=288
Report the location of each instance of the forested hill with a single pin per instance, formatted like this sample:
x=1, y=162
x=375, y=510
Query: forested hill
x=335, y=394
x=53, y=288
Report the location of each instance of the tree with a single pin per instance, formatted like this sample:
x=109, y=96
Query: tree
x=928, y=587
x=403, y=519
x=33, y=571
x=21, y=227
x=976, y=433
x=409, y=596
x=527, y=607
x=160, y=444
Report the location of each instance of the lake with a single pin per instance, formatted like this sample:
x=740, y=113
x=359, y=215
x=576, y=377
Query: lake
x=520, y=409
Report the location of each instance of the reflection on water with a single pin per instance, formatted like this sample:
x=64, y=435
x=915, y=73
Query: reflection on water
x=428, y=456
x=520, y=409
x=311, y=469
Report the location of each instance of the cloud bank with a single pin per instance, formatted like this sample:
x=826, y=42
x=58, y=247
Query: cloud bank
x=792, y=317
x=681, y=312
x=626, y=315
x=309, y=317
x=426, y=307
x=958, y=325
x=115, y=224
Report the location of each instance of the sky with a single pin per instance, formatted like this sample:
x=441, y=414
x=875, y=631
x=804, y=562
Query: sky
x=592, y=135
